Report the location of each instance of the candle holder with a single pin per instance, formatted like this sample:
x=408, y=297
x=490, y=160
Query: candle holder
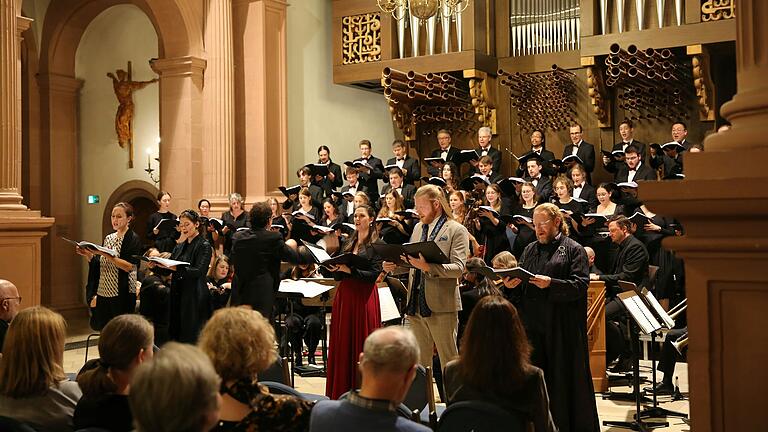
x=151, y=171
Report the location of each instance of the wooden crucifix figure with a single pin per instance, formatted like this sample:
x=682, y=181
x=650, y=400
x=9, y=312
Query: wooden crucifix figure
x=124, y=87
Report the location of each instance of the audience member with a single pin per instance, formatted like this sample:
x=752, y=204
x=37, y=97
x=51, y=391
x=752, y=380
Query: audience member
x=33, y=386
x=241, y=344
x=494, y=365
x=154, y=297
x=124, y=344
x=10, y=300
x=388, y=367
x=176, y=391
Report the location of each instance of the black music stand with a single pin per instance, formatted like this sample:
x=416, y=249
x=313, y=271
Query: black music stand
x=641, y=320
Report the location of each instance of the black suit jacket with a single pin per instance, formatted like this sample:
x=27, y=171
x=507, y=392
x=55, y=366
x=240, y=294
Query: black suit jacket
x=407, y=192
x=452, y=152
x=371, y=180
x=411, y=165
x=671, y=166
x=543, y=188
x=588, y=193
x=495, y=156
x=326, y=184
x=190, y=298
x=256, y=255
x=631, y=265
x=645, y=172
x=586, y=152
x=614, y=165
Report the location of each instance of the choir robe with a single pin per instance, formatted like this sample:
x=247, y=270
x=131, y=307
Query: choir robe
x=555, y=320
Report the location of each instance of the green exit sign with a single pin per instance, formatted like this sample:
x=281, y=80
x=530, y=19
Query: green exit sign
x=93, y=199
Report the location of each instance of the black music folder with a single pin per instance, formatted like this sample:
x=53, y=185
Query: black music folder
x=321, y=257
x=393, y=252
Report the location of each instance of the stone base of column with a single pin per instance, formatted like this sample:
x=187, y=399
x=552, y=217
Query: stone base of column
x=21, y=253
x=11, y=201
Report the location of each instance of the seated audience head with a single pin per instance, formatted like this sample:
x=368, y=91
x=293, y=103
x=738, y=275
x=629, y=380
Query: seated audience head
x=696, y=148
x=430, y=203
x=240, y=343
x=549, y=222
x=10, y=300
x=443, y=139
x=590, y=255
x=125, y=343
x=261, y=214
x=177, y=391
x=33, y=353
x=619, y=228
x=388, y=363
x=504, y=260
x=495, y=353
x=236, y=202
x=472, y=270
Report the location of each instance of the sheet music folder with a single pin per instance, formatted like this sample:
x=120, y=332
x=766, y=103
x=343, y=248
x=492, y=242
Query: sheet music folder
x=392, y=252
x=637, y=308
x=651, y=303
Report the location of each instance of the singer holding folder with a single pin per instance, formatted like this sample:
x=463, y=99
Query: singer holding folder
x=356, y=311
x=433, y=298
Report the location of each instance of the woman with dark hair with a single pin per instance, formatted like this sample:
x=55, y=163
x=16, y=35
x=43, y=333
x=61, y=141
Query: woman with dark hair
x=235, y=218
x=210, y=233
x=395, y=231
x=190, y=301
x=113, y=288
x=331, y=214
x=334, y=178
x=164, y=235
x=356, y=306
x=595, y=230
x=124, y=344
x=494, y=365
x=450, y=174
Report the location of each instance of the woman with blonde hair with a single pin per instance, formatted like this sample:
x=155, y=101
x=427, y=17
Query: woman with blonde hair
x=33, y=386
x=124, y=344
x=234, y=218
x=241, y=344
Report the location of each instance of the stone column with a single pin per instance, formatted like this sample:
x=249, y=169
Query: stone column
x=181, y=129
x=261, y=103
x=219, y=102
x=11, y=28
x=723, y=205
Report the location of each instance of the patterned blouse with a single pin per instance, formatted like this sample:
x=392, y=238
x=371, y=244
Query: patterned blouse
x=269, y=412
x=108, y=275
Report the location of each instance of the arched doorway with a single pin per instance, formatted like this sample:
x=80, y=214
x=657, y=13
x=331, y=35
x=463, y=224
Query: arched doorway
x=142, y=197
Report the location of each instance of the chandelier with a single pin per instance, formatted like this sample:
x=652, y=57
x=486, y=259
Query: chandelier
x=423, y=9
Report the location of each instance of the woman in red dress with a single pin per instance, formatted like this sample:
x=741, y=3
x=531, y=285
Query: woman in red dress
x=356, y=306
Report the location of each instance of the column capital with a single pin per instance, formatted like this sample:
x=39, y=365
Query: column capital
x=60, y=83
x=274, y=3
x=179, y=67
x=22, y=24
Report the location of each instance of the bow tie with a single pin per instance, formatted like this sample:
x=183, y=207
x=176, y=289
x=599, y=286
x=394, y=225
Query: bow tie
x=577, y=186
x=400, y=159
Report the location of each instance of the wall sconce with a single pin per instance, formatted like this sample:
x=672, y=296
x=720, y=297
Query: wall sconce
x=150, y=170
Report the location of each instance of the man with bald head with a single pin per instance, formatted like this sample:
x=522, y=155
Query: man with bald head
x=388, y=366
x=9, y=307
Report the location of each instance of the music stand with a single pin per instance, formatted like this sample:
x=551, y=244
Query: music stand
x=641, y=320
x=312, y=295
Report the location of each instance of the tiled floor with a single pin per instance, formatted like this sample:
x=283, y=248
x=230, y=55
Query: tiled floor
x=607, y=409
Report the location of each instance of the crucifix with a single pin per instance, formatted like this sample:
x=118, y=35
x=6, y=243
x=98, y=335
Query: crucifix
x=124, y=87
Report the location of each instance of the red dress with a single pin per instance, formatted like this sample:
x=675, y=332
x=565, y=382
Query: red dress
x=355, y=315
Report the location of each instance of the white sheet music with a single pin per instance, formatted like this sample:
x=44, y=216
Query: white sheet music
x=387, y=305
x=660, y=312
x=306, y=288
x=644, y=318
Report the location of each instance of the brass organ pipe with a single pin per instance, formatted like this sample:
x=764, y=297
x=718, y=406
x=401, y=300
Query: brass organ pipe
x=413, y=75
x=394, y=74
x=392, y=93
x=389, y=82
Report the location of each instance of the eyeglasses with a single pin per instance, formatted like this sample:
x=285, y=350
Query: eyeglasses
x=11, y=298
x=542, y=223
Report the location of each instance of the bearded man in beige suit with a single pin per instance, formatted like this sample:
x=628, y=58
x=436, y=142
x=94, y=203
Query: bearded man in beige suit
x=433, y=295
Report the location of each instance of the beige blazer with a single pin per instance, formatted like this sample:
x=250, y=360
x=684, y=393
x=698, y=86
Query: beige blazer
x=441, y=282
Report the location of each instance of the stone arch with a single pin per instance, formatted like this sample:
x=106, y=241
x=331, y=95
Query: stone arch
x=131, y=192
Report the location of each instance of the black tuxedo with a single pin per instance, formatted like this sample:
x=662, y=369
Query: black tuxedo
x=452, y=153
x=411, y=165
x=644, y=172
x=256, y=255
x=543, y=188
x=586, y=153
x=495, y=156
x=345, y=205
x=631, y=265
x=371, y=180
x=547, y=169
x=671, y=166
x=326, y=184
x=494, y=177
x=614, y=165
x=407, y=192
x=589, y=194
